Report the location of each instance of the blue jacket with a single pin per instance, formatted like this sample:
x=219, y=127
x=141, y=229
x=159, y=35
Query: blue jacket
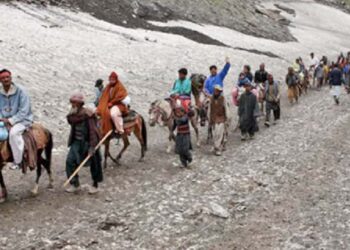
x=216, y=80
x=15, y=106
x=182, y=87
x=336, y=77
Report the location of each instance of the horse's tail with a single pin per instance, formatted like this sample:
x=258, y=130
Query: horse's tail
x=144, y=132
x=48, y=148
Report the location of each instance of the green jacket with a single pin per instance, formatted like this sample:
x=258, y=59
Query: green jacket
x=182, y=87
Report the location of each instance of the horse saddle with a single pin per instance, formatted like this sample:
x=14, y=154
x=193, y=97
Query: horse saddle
x=34, y=138
x=130, y=117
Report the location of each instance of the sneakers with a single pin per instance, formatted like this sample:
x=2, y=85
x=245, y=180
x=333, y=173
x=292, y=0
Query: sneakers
x=93, y=190
x=244, y=137
x=72, y=189
x=15, y=167
x=267, y=124
x=218, y=153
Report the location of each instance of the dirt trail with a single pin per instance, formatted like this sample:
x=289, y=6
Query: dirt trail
x=284, y=190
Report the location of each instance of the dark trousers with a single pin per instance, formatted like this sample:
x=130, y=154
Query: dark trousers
x=77, y=153
x=186, y=158
x=275, y=107
x=183, y=148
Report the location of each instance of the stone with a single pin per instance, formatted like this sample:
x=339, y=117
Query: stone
x=219, y=211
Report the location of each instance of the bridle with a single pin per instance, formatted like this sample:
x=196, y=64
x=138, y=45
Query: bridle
x=159, y=113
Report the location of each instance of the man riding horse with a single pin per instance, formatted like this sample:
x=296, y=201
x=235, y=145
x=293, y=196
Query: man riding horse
x=182, y=89
x=216, y=78
x=111, y=107
x=16, y=113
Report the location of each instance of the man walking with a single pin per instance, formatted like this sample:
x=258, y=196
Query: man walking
x=248, y=111
x=218, y=119
x=292, y=81
x=335, y=80
x=273, y=95
x=261, y=75
x=83, y=139
x=319, y=74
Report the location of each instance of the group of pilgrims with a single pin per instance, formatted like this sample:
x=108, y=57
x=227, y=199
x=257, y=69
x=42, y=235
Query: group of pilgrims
x=255, y=96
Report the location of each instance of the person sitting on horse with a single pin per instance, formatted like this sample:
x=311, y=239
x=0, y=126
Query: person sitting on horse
x=215, y=78
x=261, y=75
x=111, y=106
x=218, y=119
x=16, y=113
x=183, y=136
x=98, y=91
x=247, y=72
x=182, y=89
x=292, y=81
x=84, y=137
x=297, y=66
x=272, y=98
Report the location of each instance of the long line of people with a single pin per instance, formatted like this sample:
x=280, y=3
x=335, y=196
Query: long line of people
x=113, y=103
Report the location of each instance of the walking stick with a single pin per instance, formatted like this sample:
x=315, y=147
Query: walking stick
x=87, y=158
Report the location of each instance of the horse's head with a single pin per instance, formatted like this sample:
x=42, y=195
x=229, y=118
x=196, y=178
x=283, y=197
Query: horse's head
x=156, y=114
x=153, y=114
x=198, y=80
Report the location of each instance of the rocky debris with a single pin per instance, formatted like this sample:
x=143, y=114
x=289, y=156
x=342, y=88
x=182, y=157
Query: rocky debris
x=259, y=52
x=242, y=16
x=343, y=5
x=219, y=211
x=287, y=189
x=286, y=9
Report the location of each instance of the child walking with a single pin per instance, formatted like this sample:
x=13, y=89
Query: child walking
x=183, y=136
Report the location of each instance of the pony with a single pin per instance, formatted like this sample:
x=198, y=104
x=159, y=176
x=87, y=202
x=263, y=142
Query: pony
x=133, y=123
x=161, y=113
x=44, y=142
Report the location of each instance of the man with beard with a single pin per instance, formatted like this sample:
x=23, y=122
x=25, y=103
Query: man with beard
x=272, y=98
x=83, y=139
x=248, y=111
x=218, y=119
x=111, y=106
x=260, y=75
x=16, y=113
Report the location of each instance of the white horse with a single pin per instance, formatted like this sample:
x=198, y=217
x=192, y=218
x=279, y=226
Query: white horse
x=161, y=113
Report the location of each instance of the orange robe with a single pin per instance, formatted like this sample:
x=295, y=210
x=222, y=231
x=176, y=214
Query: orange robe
x=112, y=95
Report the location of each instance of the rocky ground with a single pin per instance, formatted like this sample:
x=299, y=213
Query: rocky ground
x=288, y=189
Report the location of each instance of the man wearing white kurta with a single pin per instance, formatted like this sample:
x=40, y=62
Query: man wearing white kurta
x=16, y=113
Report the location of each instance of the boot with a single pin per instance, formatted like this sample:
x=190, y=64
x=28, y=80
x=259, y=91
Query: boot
x=72, y=189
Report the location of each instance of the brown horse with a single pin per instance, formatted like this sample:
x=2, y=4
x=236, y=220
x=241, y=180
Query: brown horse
x=134, y=123
x=44, y=142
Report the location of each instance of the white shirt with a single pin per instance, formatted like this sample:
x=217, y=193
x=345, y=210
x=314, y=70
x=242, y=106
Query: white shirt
x=314, y=62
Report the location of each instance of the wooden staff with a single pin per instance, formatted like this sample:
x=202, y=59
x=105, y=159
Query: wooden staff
x=87, y=158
